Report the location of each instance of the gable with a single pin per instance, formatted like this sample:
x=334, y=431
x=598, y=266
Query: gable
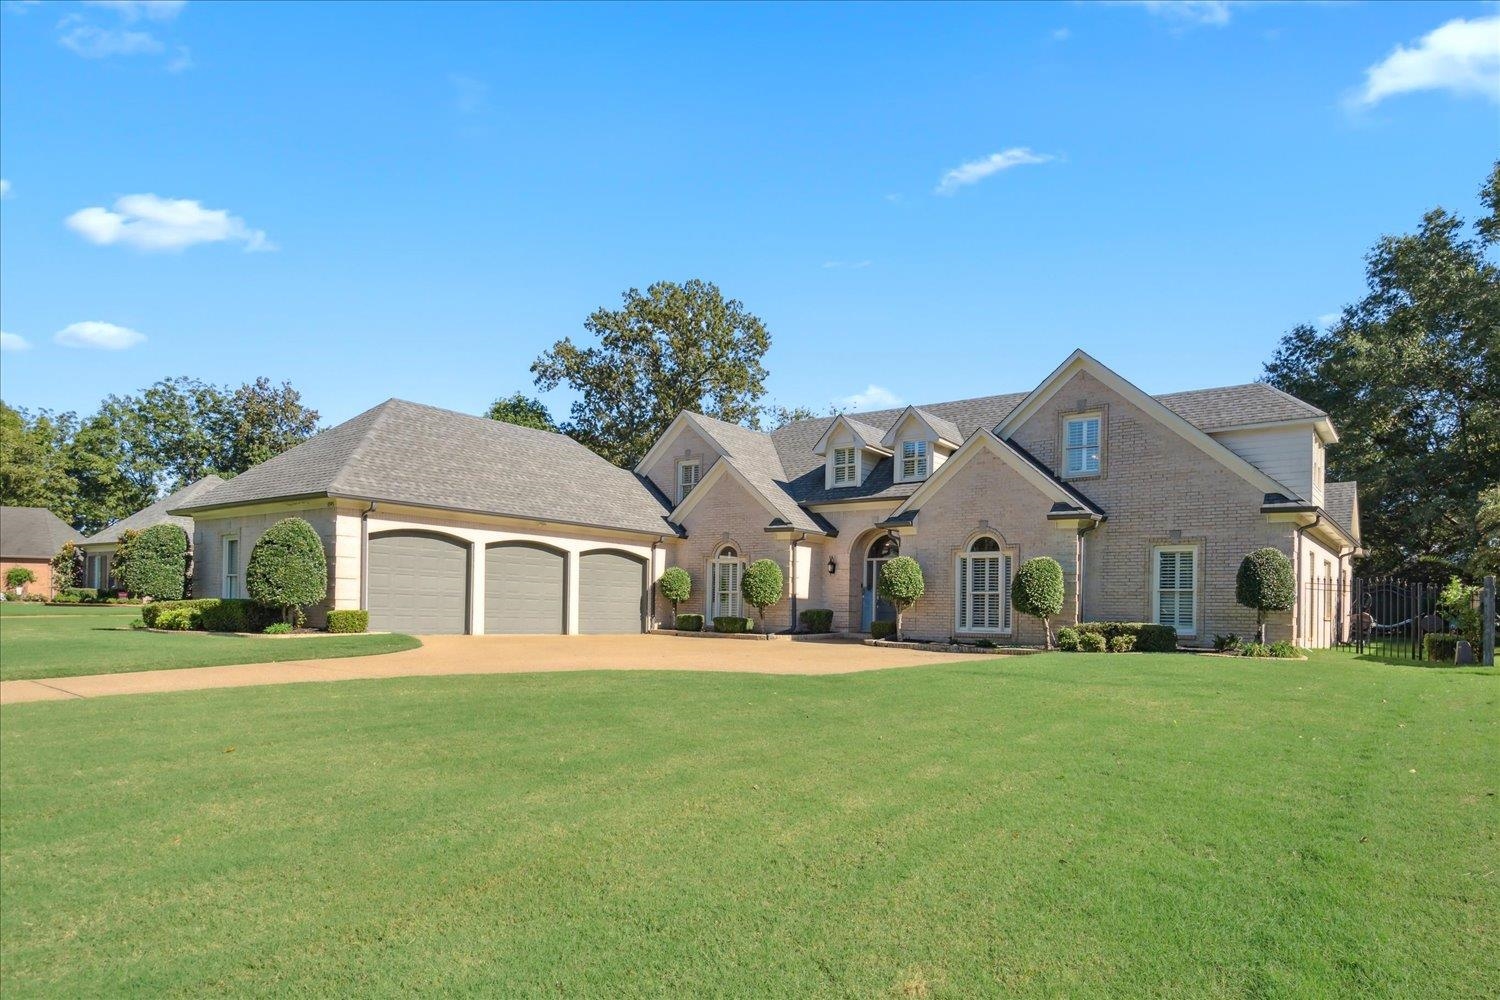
x=681, y=440
x=725, y=501
x=1059, y=499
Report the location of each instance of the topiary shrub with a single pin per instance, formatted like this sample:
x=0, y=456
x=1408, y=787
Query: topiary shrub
x=348, y=620
x=762, y=586
x=288, y=568
x=1122, y=644
x=731, y=625
x=17, y=577
x=1067, y=639
x=1037, y=590
x=67, y=566
x=676, y=586
x=1266, y=583
x=1440, y=647
x=690, y=623
x=817, y=620
x=882, y=630
x=901, y=584
x=1091, y=642
x=157, y=567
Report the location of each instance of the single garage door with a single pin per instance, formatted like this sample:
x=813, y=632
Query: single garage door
x=611, y=592
x=418, y=583
x=524, y=590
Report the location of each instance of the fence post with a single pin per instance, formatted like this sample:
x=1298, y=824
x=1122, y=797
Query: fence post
x=1487, y=609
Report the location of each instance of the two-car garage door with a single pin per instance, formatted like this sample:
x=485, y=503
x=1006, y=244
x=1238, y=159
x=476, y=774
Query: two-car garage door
x=418, y=582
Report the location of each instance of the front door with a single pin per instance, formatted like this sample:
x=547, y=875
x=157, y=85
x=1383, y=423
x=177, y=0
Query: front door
x=875, y=608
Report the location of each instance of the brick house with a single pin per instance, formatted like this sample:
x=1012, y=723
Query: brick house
x=29, y=538
x=1148, y=503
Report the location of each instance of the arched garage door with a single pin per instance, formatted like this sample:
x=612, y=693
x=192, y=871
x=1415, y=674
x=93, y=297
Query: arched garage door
x=524, y=590
x=611, y=593
x=418, y=583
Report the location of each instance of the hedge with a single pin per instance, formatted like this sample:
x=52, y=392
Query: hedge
x=882, y=630
x=1440, y=647
x=1067, y=639
x=817, y=620
x=1091, y=642
x=208, y=614
x=733, y=626
x=150, y=612
x=688, y=623
x=158, y=563
x=1149, y=638
x=1122, y=644
x=348, y=620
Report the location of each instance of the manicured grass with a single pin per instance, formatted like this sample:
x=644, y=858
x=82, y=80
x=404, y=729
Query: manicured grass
x=1055, y=825
x=38, y=642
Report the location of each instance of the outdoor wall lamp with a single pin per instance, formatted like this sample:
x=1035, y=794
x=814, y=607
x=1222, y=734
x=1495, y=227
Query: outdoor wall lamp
x=833, y=566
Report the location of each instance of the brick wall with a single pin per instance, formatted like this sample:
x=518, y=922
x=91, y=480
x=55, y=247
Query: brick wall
x=208, y=549
x=41, y=567
x=687, y=443
x=728, y=515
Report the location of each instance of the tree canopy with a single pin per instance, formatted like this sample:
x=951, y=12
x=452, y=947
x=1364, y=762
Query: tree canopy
x=676, y=347
x=1038, y=591
x=1410, y=375
x=521, y=410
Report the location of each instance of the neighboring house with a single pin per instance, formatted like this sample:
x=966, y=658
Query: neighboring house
x=1149, y=503
x=30, y=537
x=440, y=522
x=99, y=548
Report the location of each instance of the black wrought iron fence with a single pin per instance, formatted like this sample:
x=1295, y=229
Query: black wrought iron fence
x=1390, y=617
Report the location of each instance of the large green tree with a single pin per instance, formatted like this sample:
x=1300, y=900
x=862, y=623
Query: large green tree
x=1411, y=376
x=676, y=347
x=522, y=410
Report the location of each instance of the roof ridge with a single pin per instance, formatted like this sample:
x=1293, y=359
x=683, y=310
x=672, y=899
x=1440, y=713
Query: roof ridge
x=381, y=409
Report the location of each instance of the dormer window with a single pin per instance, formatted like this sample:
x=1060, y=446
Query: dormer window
x=1082, y=445
x=913, y=460
x=688, y=474
x=845, y=466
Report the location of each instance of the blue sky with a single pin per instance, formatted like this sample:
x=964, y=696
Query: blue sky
x=415, y=201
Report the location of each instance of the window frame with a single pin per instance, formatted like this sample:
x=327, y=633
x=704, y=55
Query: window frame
x=963, y=575
x=716, y=567
x=851, y=467
x=921, y=459
x=225, y=576
x=688, y=463
x=1156, y=588
x=1096, y=417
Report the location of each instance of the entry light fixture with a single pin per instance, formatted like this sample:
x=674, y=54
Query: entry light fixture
x=833, y=566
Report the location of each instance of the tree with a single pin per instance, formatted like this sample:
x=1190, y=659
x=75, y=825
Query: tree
x=777, y=416
x=761, y=586
x=1486, y=558
x=676, y=586
x=901, y=584
x=18, y=577
x=157, y=567
x=33, y=472
x=67, y=567
x=288, y=568
x=265, y=420
x=677, y=347
x=1037, y=590
x=523, y=411
x=1266, y=583
x=124, y=553
x=1411, y=377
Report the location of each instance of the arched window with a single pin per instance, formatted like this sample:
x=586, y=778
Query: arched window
x=983, y=575
x=725, y=572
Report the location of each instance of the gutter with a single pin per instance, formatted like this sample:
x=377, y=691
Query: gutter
x=1297, y=568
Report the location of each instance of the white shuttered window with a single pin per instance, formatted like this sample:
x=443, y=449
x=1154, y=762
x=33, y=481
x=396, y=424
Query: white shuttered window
x=845, y=467
x=984, y=588
x=1176, y=594
x=1083, y=446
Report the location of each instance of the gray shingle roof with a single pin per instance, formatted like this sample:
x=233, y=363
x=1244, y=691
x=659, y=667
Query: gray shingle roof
x=946, y=429
x=155, y=514
x=33, y=533
x=1338, y=502
x=403, y=452
x=1236, y=405
x=754, y=456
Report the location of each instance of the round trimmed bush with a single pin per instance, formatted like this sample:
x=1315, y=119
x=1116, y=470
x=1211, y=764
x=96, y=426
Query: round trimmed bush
x=1090, y=642
x=1266, y=583
x=157, y=567
x=1037, y=590
x=676, y=586
x=761, y=586
x=1067, y=639
x=287, y=568
x=901, y=583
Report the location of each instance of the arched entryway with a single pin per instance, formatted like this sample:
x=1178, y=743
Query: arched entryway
x=873, y=607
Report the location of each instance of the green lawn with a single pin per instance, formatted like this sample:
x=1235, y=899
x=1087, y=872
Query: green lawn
x=1024, y=826
x=38, y=642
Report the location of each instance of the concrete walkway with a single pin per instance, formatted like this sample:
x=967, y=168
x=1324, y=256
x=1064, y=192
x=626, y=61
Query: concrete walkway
x=496, y=654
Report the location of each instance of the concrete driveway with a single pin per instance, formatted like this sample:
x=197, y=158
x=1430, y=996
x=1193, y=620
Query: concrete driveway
x=498, y=654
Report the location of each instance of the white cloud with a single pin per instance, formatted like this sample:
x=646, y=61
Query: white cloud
x=4, y=188
x=94, y=42
x=874, y=397
x=977, y=170
x=13, y=342
x=103, y=336
x=1061, y=34
x=147, y=222
x=837, y=265
x=1213, y=13
x=1461, y=57
x=134, y=10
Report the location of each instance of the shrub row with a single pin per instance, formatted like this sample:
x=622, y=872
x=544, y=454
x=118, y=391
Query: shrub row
x=734, y=626
x=689, y=623
x=817, y=620
x=1118, y=637
x=348, y=620
x=882, y=630
x=1231, y=643
x=208, y=614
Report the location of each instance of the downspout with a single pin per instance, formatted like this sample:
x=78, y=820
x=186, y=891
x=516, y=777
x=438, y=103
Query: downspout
x=1297, y=568
x=652, y=607
x=364, y=558
x=1081, y=550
